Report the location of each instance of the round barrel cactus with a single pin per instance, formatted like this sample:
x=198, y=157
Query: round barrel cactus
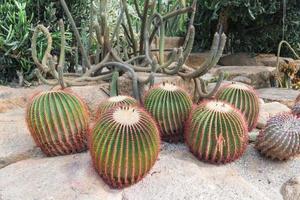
x=113, y=102
x=170, y=106
x=216, y=132
x=280, y=139
x=244, y=98
x=58, y=122
x=124, y=145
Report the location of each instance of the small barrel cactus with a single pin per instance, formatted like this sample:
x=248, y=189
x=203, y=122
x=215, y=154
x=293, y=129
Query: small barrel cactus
x=58, y=122
x=124, y=145
x=113, y=102
x=244, y=98
x=216, y=132
x=280, y=139
x=296, y=109
x=170, y=106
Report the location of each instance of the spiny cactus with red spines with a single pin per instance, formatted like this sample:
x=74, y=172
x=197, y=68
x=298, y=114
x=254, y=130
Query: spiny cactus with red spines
x=170, y=106
x=58, y=122
x=244, y=98
x=216, y=132
x=124, y=145
x=113, y=102
x=280, y=139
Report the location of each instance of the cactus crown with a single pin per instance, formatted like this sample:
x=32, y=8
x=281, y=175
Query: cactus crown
x=280, y=138
x=170, y=106
x=216, y=132
x=124, y=145
x=114, y=102
x=244, y=98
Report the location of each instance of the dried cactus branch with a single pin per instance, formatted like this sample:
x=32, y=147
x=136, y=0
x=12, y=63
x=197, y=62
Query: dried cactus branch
x=42, y=66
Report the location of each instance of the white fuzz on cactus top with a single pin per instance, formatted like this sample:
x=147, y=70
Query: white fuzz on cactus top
x=169, y=87
x=126, y=115
x=219, y=106
x=117, y=98
x=239, y=86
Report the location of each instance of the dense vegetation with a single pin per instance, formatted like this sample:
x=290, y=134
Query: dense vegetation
x=252, y=26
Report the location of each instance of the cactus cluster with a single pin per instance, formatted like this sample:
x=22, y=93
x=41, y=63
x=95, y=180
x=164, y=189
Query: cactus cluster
x=244, y=98
x=216, y=132
x=124, y=145
x=114, y=102
x=58, y=122
x=280, y=139
x=170, y=106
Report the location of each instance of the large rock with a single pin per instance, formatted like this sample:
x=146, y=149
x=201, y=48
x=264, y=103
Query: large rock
x=260, y=76
x=282, y=95
x=11, y=98
x=268, y=110
x=291, y=189
x=238, y=59
x=176, y=175
x=271, y=59
x=196, y=59
x=15, y=140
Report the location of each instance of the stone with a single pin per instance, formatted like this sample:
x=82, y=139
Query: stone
x=270, y=59
x=274, y=108
x=196, y=59
x=177, y=174
x=263, y=117
x=260, y=76
x=282, y=95
x=291, y=189
x=253, y=135
x=242, y=79
x=12, y=98
x=238, y=59
x=15, y=140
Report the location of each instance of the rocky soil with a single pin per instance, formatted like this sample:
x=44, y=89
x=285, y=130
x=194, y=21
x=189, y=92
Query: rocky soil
x=25, y=173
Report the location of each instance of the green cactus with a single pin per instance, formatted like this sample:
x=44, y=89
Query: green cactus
x=113, y=102
x=216, y=132
x=124, y=145
x=58, y=122
x=280, y=139
x=170, y=106
x=244, y=98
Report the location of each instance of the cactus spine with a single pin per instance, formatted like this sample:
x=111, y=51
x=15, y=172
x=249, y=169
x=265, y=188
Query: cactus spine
x=113, y=102
x=280, y=139
x=58, y=122
x=216, y=132
x=170, y=107
x=244, y=98
x=124, y=145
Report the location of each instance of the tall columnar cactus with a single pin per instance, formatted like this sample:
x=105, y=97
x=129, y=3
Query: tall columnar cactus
x=216, y=132
x=170, y=107
x=244, y=98
x=58, y=122
x=124, y=145
x=113, y=102
x=280, y=139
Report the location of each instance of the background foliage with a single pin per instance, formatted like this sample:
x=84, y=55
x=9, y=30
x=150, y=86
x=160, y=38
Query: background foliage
x=251, y=25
